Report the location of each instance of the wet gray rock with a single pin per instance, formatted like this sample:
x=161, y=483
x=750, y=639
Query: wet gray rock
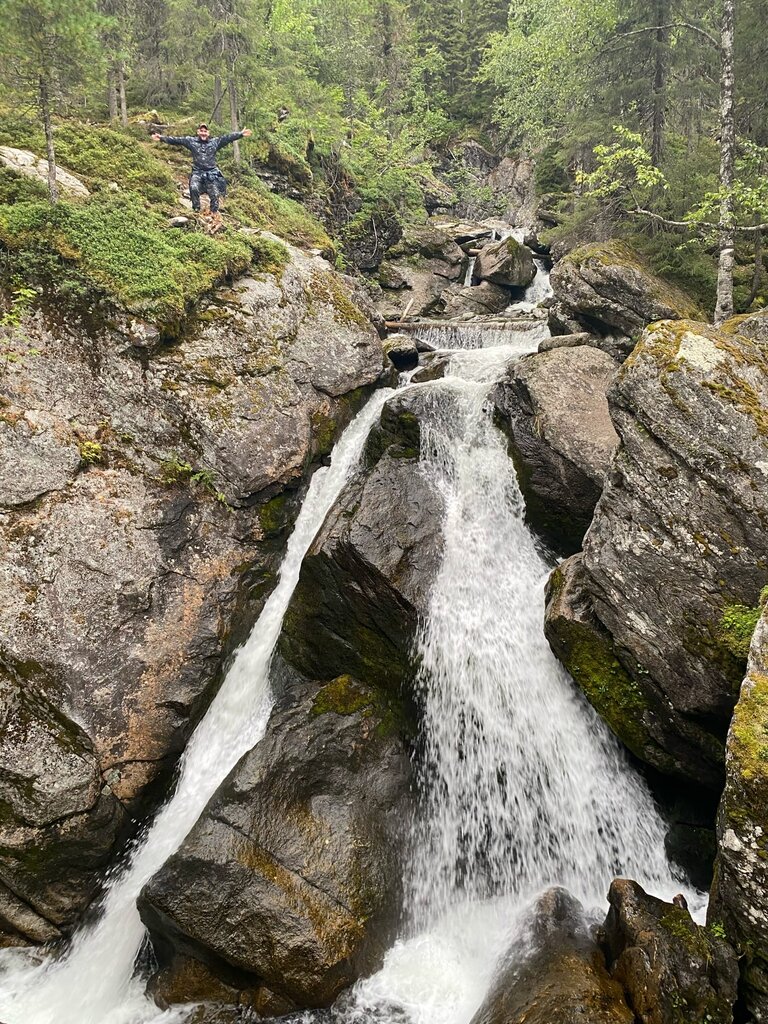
x=401, y=350
x=671, y=968
x=617, y=347
x=555, y=974
x=367, y=575
x=291, y=879
x=553, y=406
x=506, y=263
x=475, y=300
x=139, y=534
x=678, y=536
x=605, y=286
x=739, y=899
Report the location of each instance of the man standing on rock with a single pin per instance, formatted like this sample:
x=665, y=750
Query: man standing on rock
x=206, y=176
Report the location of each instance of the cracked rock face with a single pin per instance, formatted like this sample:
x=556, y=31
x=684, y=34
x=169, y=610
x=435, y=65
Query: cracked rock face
x=290, y=881
x=605, y=286
x=144, y=488
x=740, y=893
x=679, y=537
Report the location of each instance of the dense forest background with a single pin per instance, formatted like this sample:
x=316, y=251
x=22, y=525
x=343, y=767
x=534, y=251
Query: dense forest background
x=361, y=104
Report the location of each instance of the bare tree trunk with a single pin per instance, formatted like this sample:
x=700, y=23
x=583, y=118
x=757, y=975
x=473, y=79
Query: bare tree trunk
x=661, y=59
x=757, y=274
x=45, y=111
x=233, y=119
x=724, y=307
x=218, y=96
x=112, y=93
x=121, y=90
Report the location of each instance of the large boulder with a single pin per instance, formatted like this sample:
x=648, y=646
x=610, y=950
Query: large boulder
x=475, y=300
x=366, y=578
x=290, y=881
x=28, y=164
x=556, y=974
x=672, y=969
x=506, y=263
x=554, y=408
x=677, y=550
x=605, y=286
x=739, y=902
x=140, y=532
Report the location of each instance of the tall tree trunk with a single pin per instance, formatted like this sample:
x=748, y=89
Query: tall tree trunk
x=112, y=93
x=757, y=274
x=232, y=90
x=661, y=63
x=724, y=307
x=121, y=90
x=45, y=111
x=218, y=96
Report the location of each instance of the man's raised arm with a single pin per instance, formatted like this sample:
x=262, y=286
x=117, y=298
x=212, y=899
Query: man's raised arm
x=225, y=140
x=173, y=140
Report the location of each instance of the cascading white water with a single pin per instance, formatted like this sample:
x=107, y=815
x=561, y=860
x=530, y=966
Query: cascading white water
x=521, y=335
x=523, y=786
x=470, y=271
x=537, y=291
x=94, y=982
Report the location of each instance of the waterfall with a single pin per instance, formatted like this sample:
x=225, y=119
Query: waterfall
x=537, y=291
x=94, y=982
x=470, y=271
x=522, y=784
x=522, y=335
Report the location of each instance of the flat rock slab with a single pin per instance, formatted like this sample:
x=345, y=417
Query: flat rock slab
x=23, y=161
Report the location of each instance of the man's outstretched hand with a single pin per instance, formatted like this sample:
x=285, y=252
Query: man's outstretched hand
x=247, y=132
x=155, y=136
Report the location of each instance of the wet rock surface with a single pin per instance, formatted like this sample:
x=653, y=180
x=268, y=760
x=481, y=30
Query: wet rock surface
x=678, y=539
x=367, y=575
x=554, y=408
x=739, y=903
x=506, y=263
x=139, y=534
x=671, y=968
x=607, y=287
x=557, y=977
x=288, y=887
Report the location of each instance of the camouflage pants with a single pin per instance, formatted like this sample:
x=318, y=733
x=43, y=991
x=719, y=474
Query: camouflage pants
x=212, y=182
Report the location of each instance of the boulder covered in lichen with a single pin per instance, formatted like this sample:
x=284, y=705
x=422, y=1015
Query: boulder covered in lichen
x=145, y=485
x=677, y=554
x=506, y=263
x=555, y=974
x=607, y=287
x=553, y=406
x=671, y=969
x=288, y=888
x=739, y=903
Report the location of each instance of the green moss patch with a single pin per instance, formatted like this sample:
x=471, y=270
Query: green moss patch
x=343, y=696
x=748, y=743
x=736, y=627
x=114, y=245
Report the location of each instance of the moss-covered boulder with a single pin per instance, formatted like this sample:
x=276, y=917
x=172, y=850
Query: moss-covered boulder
x=145, y=490
x=677, y=553
x=739, y=902
x=556, y=974
x=507, y=263
x=366, y=578
x=672, y=970
x=605, y=286
x=289, y=886
x=553, y=406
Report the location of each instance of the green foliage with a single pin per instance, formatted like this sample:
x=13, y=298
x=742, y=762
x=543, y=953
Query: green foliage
x=623, y=170
x=14, y=345
x=175, y=472
x=90, y=452
x=114, y=245
x=736, y=627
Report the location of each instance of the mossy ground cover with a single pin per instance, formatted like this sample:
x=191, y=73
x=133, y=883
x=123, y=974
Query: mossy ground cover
x=118, y=244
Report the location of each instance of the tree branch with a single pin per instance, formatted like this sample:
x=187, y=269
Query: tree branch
x=689, y=225
x=673, y=24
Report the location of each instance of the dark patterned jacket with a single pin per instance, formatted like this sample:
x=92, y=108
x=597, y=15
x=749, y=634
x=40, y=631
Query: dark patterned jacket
x=203, y=153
